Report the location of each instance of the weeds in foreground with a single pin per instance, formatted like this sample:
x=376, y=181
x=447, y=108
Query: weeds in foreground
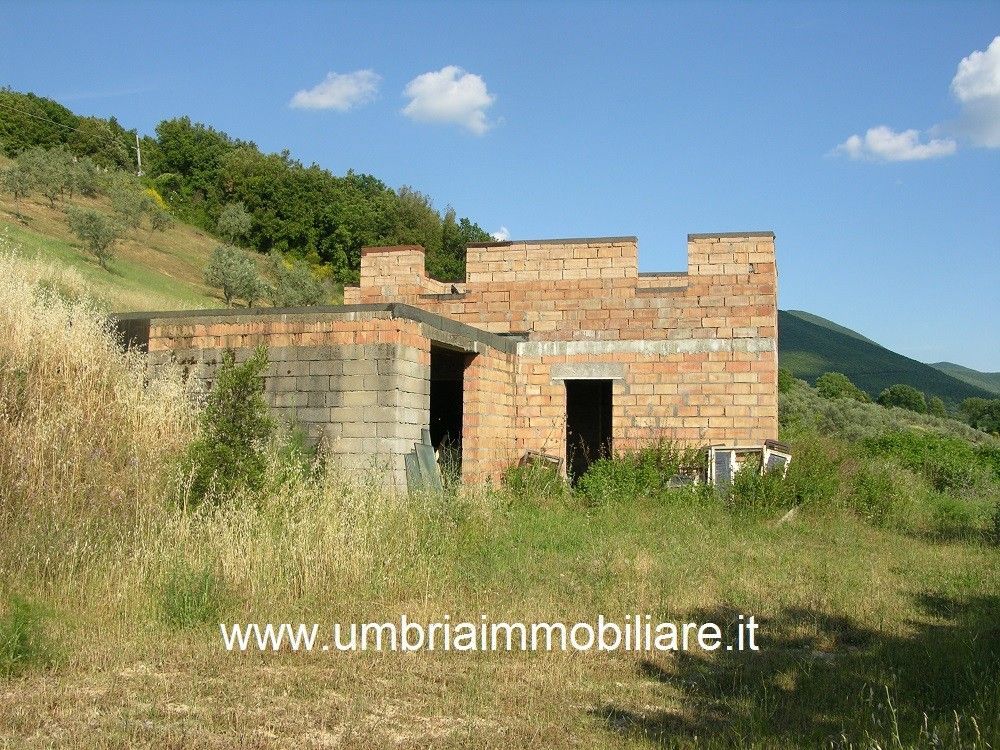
x=24, y=644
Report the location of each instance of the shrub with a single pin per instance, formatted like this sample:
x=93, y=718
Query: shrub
x=159, y=220
x=878, y=492
x=905, y=397
x=626, y=476
x=947, y=463
x=22, y=639
x=785, y=380
x=191, y=596
x=754, y=492
x=814, y=473
x=838, y=385
x=236, y=428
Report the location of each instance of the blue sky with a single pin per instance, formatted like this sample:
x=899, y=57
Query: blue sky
x=579, y=119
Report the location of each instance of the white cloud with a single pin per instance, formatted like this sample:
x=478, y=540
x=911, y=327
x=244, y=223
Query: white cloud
x=501, y=235
x=339, y=91
x=977, y=86
x=449, y=95
x=884, y=144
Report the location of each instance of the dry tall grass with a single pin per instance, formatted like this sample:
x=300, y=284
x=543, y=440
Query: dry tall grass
x=85, y=440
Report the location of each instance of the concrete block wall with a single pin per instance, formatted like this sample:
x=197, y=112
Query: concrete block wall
x=360, y=383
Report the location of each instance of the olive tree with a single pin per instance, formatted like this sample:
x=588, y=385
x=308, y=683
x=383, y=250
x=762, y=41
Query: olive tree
x=234, y=272
x=234, y=223
x=97, y=232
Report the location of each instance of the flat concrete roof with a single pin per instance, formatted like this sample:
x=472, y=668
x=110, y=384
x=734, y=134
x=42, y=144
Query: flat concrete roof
x=730, y=235
x=128, y=322
x=565, y=241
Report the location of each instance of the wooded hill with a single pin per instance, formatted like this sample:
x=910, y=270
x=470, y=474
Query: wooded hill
x=305, y=211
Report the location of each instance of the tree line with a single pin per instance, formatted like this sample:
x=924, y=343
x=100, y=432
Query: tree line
x=981, y=413
x=303, y=212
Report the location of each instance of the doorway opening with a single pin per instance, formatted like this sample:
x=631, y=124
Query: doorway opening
x=588, y=424
x=447, y=398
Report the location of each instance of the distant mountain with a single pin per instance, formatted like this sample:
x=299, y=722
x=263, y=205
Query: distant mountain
x=823, y=322
x=809, y=346
x=989, y=381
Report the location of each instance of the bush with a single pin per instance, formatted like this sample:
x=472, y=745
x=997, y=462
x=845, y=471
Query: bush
x=191, y=596
x=230, y=455
x=814, y=473
x=627, y=476
x=904, y=397
x=22, y=639
x=838, y=385
x=754, y=492
x=879, y=493
x=785, y=380
x=948, y=464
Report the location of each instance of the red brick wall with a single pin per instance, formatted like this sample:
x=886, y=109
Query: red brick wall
x=697, y=350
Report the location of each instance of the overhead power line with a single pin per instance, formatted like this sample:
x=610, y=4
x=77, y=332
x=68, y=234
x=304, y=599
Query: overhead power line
x=107, y=144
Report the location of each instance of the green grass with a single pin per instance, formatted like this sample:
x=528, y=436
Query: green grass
x=128, y=279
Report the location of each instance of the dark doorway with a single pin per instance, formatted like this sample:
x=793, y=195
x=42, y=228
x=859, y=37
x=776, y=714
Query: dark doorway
x=588, y=424
x=447, y=397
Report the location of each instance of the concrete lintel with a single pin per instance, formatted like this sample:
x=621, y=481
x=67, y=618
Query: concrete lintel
x=650, y=348
x=588, y=371
x=451, y=340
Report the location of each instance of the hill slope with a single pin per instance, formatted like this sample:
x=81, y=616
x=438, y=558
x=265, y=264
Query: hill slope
x=989, y=381
x=809, y=349
x=829, y=324
x=151, y=270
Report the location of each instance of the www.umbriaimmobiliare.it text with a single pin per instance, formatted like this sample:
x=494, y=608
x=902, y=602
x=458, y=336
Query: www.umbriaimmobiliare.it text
x=636, y=633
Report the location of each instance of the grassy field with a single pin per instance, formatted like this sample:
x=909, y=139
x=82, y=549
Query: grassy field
x=879, y=598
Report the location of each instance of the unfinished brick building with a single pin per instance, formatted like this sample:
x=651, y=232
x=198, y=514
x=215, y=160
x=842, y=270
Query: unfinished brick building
x=556, y=346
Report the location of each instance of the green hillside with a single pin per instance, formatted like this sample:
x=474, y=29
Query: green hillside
x=808, y=349
x=829, y=324
x=989, y=381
